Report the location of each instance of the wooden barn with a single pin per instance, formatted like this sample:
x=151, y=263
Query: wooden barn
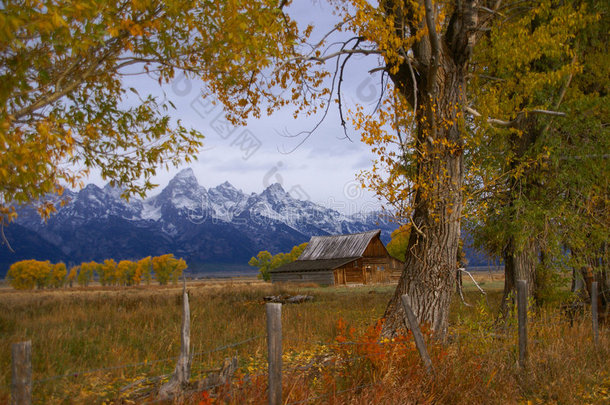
x=359, y=258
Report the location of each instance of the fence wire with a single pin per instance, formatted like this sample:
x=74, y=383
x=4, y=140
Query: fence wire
x=142, y=363
x=327, y=359
x=99, y=370
x=228, y=346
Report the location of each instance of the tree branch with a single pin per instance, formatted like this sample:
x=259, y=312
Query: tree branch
x=308, y=133
x=493, y=121
x=490, y=11
x=435, y=48
x=54, y=96
x=545, y=112
x=349, y=55
x=329, y=33
x=343, y=52
x=459, y=287
x=4, y=239
x=404, y=55
x=506, y=124
x=473, y=280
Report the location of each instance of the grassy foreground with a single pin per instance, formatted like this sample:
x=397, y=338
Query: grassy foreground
x=119, y=335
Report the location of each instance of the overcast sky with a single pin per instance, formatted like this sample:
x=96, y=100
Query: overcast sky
x=323, y=169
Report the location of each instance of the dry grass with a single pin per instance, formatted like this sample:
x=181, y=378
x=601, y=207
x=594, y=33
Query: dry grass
x=78, y=330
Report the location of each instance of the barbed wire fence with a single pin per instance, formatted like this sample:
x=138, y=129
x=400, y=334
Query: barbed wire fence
x=333, y=358
x=73, y=375
x=292, y=369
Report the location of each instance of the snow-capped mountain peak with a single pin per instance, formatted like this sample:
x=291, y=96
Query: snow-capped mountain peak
x=187, y=173
x=183, y=191
x=222, y=224
x=226, y=191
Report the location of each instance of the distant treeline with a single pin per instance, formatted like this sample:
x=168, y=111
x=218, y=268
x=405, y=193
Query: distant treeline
x=30, y=274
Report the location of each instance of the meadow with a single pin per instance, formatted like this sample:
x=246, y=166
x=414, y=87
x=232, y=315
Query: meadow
x=96, y=345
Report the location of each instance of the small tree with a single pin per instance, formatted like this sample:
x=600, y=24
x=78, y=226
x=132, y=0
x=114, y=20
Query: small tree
x=85, y=275
x=21, y=275
x=143, y=271
x=43, y=273
x=109, y=271
x=126, y=271
x=178, y=266
x=57, y=278
x=263, y=262
x=267, y=262
x=72, y=275
x=167, y=267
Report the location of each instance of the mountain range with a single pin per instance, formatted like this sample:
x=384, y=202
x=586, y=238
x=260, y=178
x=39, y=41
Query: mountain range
x=212, y=229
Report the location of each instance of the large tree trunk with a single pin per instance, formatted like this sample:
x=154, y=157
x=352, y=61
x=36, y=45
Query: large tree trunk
x=519, y=264
x=440, y=70
x=428, y=276
x=430, y=263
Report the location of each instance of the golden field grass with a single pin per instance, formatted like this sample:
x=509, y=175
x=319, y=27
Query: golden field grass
x=96, y=329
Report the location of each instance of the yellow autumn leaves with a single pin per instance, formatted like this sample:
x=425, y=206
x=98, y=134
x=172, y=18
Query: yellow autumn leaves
x=30, y=274
x=62, y=99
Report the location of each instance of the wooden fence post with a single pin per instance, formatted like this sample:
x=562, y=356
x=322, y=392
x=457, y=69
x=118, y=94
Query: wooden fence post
x=182, y=373
x=274, y=351
x=594, y=314
x=417, y=335
x=21, y=384
x=522, y=318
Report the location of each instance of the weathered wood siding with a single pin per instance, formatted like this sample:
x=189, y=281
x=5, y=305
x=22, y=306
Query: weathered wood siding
x=376, y=266
x=371, y=264
x=375, y=249
x=325, y=277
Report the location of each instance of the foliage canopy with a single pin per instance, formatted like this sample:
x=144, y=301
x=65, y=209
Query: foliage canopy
x=65, y=108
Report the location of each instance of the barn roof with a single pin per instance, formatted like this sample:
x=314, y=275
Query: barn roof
x=338, y=246
x=313, y=265
x=330, y=252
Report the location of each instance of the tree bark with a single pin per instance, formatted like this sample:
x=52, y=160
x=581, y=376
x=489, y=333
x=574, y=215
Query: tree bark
x=428, y=276
x=519, y=264
x=439, y=83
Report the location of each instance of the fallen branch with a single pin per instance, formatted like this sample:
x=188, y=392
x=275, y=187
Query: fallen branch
x=473, y=280
x=413, y=325
x=288, y=299
x=458, y=276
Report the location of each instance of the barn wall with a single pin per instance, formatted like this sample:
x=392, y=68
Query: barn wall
x=350, y=273
x=324, y=277
x=370, y=270
x=365, y=271
x=354, y=276
x=384, y=269
x=376, y=266
x=375, y=249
